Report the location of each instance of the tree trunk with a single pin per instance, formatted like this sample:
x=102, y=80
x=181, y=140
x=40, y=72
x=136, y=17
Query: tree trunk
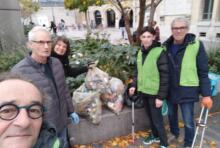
x=141, y=20
x=87, y=24
x=152, y=12
x=127, y=27
x=153, y=5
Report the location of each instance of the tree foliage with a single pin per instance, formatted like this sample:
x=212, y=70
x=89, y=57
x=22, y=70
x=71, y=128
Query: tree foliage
x=28, y=7
x=82, y=5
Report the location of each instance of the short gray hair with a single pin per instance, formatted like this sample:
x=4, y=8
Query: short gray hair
x=181, y=19
x=31, y=33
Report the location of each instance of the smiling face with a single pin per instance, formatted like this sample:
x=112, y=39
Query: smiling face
x=147, y=39
x=22, y=131
x=179, y=31
x=40, y=45
x=60, y=48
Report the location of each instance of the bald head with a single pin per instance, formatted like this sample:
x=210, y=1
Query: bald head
x=20, y=102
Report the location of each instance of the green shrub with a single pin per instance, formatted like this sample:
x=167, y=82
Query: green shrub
x=116, y=60
x=214, y=60
x=27, y=28
x=9, y=58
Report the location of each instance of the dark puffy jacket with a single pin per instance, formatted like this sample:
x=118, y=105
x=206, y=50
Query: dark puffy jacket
x=69, y=71
x=180, y=94
x=47, y=137
x=58, y=108
x=162, y=64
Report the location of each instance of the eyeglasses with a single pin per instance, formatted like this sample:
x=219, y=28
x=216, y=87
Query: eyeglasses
x=43, y=42
x=179, y=28
x=11, y=111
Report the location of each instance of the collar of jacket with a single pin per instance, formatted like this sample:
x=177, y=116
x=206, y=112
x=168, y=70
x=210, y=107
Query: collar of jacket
x=154, y=44
x=63, y=58
x=36, y=64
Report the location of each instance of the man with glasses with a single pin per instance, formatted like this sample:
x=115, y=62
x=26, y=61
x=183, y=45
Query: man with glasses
x=21, y=113
x=188, y=65
x=47, y=73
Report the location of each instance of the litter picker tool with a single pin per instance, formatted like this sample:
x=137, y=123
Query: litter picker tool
x=201, y=124
x=133, y=99
x=214, y=79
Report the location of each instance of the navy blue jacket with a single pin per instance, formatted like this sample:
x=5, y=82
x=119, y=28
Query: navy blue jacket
x=180, y=94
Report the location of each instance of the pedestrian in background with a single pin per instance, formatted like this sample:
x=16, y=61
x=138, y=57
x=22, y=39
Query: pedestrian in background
x=122, y=26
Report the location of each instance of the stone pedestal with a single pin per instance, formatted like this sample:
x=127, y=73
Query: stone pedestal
x=11, y=29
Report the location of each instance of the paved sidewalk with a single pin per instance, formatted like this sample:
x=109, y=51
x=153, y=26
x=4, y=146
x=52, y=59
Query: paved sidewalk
x=211, y=137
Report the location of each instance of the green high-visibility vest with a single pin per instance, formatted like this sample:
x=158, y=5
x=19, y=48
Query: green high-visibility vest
x=148, y=78
x=188, y=74
x=56, y=143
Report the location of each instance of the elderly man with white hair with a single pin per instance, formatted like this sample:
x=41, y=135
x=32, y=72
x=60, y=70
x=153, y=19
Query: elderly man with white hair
x=47, y=73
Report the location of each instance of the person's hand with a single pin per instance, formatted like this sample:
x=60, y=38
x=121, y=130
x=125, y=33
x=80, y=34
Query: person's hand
x=92, y=64
x=158, y=103
x=131, y=91
x=207, y=102
x=74, y=118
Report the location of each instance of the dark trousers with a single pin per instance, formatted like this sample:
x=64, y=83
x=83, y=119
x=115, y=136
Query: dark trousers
x=187, y=110
x=156, y=119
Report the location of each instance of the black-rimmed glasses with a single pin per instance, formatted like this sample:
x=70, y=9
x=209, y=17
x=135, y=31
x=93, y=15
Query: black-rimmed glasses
x=179, y=28
x=43, y=42
x=11, y=111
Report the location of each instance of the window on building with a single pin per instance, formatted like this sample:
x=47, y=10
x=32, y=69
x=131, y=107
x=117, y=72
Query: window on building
x=202, y=34
x=207, y=9
x=218, y=35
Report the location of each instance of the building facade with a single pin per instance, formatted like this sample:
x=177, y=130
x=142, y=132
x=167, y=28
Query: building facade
x=204, y=15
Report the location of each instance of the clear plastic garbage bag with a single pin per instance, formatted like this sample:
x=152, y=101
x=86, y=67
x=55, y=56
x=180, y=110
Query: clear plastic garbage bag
x=87, y=103
x=98, y=80
x=114, y=100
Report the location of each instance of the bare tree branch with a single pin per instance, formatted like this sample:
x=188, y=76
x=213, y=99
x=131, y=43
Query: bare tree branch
x=158, y=2
x=113, y=2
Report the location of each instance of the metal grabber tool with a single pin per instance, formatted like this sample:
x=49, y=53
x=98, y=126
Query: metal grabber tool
x=201, y=123
x=132, y=117
x=133, y=99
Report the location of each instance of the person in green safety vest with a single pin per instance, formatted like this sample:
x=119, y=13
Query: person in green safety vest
x=188, y=66
x=151, y=82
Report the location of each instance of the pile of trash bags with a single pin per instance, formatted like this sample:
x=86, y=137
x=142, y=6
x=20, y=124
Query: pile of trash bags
x=99, y=88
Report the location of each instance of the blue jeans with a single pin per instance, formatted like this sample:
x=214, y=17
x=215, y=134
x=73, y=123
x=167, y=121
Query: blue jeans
x=187, y=110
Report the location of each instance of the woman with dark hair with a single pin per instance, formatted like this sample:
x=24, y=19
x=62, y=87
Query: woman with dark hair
x=61, y=50
x=151, y=82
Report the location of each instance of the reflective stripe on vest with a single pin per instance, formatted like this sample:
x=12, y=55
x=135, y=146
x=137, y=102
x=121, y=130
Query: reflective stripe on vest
x=189, y=75
x=148, y=79
x=56, y=143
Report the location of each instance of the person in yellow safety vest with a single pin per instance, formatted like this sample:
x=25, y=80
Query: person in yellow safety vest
x=151, y=83
x=188, y=66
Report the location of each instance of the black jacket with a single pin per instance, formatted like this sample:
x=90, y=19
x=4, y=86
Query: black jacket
x=162, y=64
x=69, y=71
x=180, y=94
